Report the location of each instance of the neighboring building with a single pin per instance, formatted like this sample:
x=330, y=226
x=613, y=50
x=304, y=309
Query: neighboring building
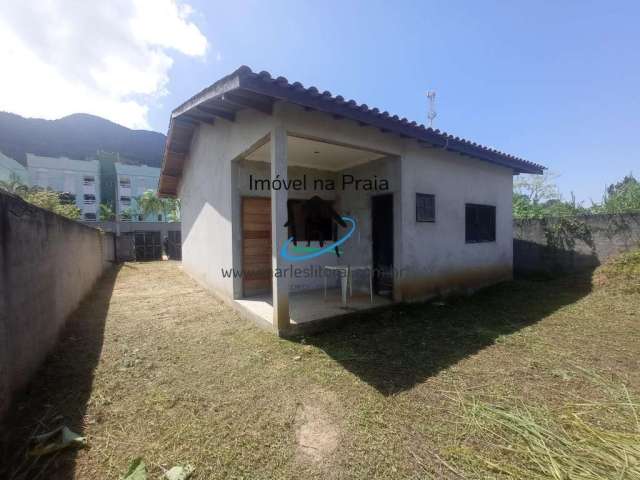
x=441, y=221
x=80, y=178
x=132, y=181
x=9, y=167
x=107, y=162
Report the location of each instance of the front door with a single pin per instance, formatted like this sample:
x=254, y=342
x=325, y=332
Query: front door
x=256, y=246
x=382, y=243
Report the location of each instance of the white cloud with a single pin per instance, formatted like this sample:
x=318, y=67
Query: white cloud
x=107, y=58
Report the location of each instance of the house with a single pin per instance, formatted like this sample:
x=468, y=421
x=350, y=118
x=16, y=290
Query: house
x=11, y=169
x=131, y=182
x=80, y=178
x=424, y=212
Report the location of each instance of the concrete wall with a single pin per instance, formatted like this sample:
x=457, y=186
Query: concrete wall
x=434, y=256
x=47, y=265
x=261, y=170
x=357, y=204
x=209, y=201
x=561, y=245
x=125, y=245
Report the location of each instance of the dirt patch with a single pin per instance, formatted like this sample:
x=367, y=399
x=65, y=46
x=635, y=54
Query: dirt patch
x=317, y=430
x=317, y=435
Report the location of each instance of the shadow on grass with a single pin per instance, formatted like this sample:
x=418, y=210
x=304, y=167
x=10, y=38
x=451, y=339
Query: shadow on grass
x=59, y=392
x=395, y=349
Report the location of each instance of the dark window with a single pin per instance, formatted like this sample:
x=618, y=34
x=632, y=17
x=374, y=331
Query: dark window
x=88, y=196
x=89, y=216
x=425, y=207
x=480, y=223
x=160, y=217
x=125, y=200
x=309, y=230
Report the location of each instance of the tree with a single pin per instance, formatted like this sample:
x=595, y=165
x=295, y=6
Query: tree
x=537, y=196
x=621, y=197
x=50, y=200
x=537, y=188
x=531, y=193
x=172, y=209
x=106, y=212
x=150, y=204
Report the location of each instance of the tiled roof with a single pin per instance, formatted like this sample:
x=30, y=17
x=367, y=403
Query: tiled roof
x=260, y=90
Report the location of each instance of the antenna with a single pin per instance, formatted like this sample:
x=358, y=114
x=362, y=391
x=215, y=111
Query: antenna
x=431, y=95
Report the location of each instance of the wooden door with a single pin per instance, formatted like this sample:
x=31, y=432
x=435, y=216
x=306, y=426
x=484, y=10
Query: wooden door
x=256, y=246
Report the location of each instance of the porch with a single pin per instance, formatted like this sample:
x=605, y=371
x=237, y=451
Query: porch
x=311, y=310
x=347, y=179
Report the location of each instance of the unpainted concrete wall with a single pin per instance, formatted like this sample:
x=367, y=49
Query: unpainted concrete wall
x=435, y=257
x=432, y=258
x=125, y=242
x=564, y=245
x=262, y=170
x=47, y=265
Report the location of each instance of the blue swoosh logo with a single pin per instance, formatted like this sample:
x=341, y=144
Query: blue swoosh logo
x=284, y=251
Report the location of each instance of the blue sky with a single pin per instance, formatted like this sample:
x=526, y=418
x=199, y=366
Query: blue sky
x=554, y=82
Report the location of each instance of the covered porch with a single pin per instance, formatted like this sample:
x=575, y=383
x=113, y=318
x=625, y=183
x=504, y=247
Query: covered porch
x=293, y=286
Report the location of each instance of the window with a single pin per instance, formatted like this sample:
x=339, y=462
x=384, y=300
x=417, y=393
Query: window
x=480, y=223
x=88, y=180
x=309, y=229
x=425, y=207
x=125, y=182
x=89, y=216
x=160, y=217
x=89, y=199
x=125, y=201
x=140, y=218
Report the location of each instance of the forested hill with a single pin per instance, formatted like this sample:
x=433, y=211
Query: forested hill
x=77, y=136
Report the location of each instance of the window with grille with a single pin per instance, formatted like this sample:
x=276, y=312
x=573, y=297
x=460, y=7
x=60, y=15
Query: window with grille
x=480, y=223
x=425, y=207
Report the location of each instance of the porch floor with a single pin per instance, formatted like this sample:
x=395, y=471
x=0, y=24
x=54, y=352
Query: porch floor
x=310, y=305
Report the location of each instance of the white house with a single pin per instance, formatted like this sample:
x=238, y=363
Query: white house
x=422, y=212
x=80, y=178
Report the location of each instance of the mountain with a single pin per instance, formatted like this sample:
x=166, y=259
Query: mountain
x=77, y=136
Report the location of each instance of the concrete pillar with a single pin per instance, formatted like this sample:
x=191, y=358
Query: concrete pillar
x=278, y=230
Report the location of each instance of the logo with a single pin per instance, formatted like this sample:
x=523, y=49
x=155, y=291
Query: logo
x=314, y=220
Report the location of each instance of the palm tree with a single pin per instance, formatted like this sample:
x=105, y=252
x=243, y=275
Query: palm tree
x=106, y=212
x=172, y=209
x=150, y=204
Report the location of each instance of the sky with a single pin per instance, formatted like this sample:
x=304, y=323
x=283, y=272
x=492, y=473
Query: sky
x=557, y=83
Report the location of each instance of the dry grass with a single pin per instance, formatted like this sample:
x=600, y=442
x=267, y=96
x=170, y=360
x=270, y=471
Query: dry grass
x=536, y=442
x=620, y=273
x=153, y=366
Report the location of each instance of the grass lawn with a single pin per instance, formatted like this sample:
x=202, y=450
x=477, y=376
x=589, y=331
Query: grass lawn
x=152, y=366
